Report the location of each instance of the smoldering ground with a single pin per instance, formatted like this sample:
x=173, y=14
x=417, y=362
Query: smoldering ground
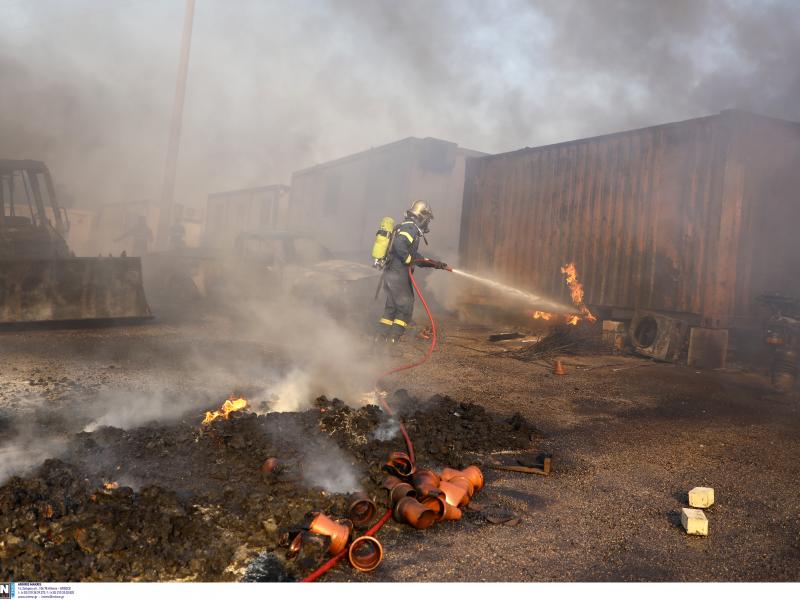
x=277, y=349
x=25, y=445
x=87, y=90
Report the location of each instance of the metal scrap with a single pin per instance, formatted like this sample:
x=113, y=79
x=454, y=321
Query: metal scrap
x=500, y=337
x=540, y=465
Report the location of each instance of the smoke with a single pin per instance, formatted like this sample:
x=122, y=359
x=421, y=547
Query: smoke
x=41, y=430
x=274, y=87
x=291, y=393
x=320, y=332
x=126, y=409
x=387, y=431
x=322, y=462
x=325, y=352
x=310, y=354
x=641, y=63
x=279, y=349
x=27, y=440
x=328, y=467
x=28, y=451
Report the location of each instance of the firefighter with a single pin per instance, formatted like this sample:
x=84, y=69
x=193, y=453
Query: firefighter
x=404, y=253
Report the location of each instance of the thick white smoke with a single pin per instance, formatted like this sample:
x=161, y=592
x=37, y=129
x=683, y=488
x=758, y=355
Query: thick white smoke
x=88, y=85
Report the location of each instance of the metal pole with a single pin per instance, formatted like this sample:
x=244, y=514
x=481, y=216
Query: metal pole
x=171, y=162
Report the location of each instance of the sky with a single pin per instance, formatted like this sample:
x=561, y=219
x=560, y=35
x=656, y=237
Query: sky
x=277, y=86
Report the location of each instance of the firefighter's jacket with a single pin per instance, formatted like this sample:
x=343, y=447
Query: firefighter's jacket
x=404, y=251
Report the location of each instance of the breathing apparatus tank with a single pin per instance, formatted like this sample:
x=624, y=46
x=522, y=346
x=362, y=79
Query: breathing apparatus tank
x=382, y=241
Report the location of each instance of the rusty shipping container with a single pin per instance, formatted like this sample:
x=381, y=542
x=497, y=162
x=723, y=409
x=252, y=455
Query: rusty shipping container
x=341, y=202
x=696, y=218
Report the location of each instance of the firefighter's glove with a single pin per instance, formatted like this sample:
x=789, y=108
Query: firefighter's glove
x=435, y=264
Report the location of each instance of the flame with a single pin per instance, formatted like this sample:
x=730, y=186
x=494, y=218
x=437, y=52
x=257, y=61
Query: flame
x=575, y=287
x=110, y=485
x=373, y=397
x=576, y=292
x=230, y=405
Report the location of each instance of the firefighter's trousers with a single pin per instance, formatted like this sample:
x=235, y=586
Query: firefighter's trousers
x=399, y=301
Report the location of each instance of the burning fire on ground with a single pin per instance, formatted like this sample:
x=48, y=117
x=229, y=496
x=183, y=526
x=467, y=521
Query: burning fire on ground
x=576, y=292
x=373, y=396
x=232, y=404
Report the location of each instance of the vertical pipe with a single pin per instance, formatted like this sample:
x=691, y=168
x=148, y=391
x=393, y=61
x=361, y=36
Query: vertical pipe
x=2, y=203
x=12, y=211
x=171, y=162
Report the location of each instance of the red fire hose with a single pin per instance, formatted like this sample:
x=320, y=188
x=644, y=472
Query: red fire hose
x=422, y=361
x=374, y=529
x=330, y=564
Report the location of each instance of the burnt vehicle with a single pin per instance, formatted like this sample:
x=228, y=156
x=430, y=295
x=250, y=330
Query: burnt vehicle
x=41, y=281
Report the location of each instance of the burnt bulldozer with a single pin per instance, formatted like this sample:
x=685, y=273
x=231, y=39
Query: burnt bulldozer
x=41, y=281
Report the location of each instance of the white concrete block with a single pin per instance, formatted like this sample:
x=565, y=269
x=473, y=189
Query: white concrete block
x=701, y=497
x=694, y=521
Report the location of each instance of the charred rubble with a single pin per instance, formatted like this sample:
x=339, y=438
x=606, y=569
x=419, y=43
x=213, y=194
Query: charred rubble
x=192, y=502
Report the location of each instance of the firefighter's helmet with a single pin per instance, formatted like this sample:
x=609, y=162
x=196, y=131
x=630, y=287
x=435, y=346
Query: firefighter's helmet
x=421, y=212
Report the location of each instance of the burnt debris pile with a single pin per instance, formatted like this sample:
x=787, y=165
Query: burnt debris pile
x=445, y=432
x=584, y=337
x=58, y=527
x=186, y=501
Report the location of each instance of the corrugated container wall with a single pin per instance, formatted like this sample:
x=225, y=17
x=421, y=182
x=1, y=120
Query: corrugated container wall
x=697, y=217
x=251, y=210
x=342, y=202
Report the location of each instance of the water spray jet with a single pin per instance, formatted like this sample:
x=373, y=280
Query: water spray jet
x=529, y=297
